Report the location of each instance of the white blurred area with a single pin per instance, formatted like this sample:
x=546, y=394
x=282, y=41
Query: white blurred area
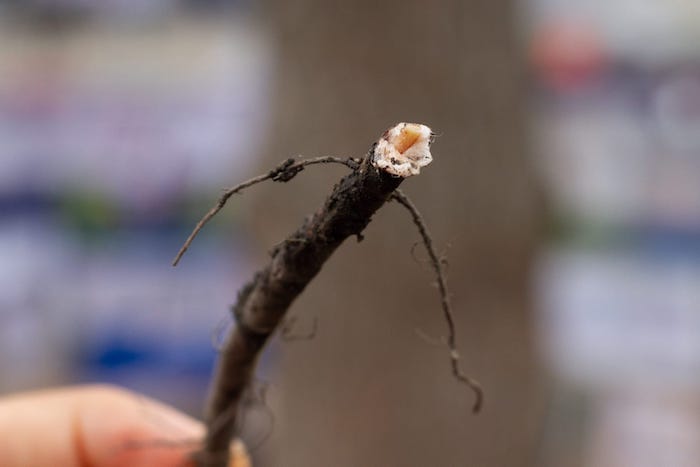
x=616, y=123
x=133, y=109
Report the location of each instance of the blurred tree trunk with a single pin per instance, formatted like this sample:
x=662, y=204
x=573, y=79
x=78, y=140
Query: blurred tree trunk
x=366, y=390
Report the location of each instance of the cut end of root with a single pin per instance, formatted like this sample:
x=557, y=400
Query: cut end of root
x=403, y=149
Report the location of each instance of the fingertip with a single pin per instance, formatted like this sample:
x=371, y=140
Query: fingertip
x=121, y=428
x=239, y=455
x=98, y=426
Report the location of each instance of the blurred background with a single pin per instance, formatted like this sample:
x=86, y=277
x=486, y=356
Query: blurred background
x=565, y=192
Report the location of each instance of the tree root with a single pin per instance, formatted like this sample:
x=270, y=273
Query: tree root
x=263, y=302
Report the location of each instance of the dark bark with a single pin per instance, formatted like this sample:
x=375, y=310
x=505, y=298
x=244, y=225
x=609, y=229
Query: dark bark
x=263, y=302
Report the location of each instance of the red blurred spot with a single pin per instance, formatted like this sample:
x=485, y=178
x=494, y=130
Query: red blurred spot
x=567, y=54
